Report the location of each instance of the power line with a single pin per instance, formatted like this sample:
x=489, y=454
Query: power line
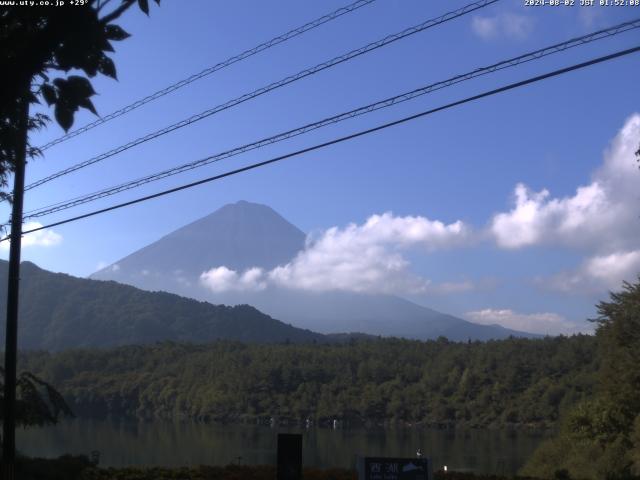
x=361, y=133
x=388, y=102
x=212, y=69
x=280, y=83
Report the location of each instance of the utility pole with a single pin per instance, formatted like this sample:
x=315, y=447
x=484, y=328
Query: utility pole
x=11, y=339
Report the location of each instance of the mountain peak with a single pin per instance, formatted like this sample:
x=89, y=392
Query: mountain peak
x=238, y=236
x=245, y=205
x=243, y=211
x=243, y=235
x=241, y=203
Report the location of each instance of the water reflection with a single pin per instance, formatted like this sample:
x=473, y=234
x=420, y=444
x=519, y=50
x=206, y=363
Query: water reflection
x=122, y=443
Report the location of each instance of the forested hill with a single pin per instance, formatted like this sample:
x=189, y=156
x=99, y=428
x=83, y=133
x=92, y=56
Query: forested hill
x=497, y=383
x=58, y=311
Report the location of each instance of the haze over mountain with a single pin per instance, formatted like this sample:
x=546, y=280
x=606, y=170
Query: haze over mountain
x=58, y=311
x=238, y=236
x=245, y=235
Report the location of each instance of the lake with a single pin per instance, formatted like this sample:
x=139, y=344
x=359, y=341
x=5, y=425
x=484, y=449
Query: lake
x=126, y=443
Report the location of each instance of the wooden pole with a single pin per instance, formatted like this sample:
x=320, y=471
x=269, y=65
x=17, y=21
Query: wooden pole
x=11, y=339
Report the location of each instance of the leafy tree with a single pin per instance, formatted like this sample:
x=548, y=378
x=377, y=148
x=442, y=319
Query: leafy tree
x=37, y=402
x=39, y=48
x=619, y=341
x=600, y=438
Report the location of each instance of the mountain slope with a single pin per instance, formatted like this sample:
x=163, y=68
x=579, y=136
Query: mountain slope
x=331, y=312
x=244, y=235
x=58, y=311
x=238, y=236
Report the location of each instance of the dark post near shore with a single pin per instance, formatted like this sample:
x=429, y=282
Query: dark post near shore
x=289, y=456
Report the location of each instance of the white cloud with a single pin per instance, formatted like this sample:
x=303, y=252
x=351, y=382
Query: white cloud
x=588, y=17
x=516, y=26
x=358, y=258
x=41, y=238
x=541, y=323
x=598, y=273
x=367, y=258
x=537, y=218
x=373, y=270
x=505, y=25
x=601, y=216
x=612, y=269
x=222, y=279
x=485, y=27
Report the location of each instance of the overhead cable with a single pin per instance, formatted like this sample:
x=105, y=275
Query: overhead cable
x=212, y=69
x=388, y=102
x=272, y=86
x=345, y=138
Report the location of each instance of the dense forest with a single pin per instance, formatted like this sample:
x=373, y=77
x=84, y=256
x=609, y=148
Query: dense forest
x=599, y=438
x=439, y=383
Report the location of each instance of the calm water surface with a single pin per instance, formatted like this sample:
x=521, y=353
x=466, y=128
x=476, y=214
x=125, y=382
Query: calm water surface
x=124, y=443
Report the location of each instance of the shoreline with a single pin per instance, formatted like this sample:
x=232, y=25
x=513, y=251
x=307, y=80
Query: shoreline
x=81, y=468
x=341, y=424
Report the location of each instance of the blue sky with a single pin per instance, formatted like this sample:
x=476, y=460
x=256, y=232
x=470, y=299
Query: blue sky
x=540, y=264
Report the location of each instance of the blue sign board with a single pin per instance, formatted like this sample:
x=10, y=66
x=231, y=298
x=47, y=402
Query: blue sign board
x=386, y=468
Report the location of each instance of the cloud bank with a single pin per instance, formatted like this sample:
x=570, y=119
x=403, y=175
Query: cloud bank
x=597, y=274
x=541, y=323
x=600, y=218
x=363, y=258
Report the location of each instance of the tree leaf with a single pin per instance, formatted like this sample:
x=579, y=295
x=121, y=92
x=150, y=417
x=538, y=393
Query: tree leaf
x=33, y=98
x=88, y=104
x=64, y=116
x=90, y=64
x=73, y=53
x=79, y=86
x=106, y=46
x=115, y=32
x=107, y=67
x=37, y=121
x=49, y=94
x=144, y=6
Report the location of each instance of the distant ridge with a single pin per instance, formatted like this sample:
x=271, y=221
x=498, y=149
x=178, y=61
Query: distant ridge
x=243, y=235
x=58, y=311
